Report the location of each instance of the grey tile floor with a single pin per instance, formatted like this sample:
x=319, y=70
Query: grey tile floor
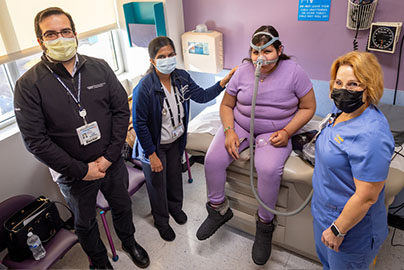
x=228, y=249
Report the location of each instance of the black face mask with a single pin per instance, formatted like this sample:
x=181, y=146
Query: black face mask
x=347, y=100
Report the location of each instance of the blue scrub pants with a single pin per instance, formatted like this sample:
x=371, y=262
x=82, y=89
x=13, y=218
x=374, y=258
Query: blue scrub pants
x=340, y=260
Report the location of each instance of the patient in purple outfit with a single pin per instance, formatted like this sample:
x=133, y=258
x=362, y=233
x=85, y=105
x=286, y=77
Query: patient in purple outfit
x=285, y=102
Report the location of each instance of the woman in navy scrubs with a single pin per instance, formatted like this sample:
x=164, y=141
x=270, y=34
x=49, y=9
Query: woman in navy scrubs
x=161, y=103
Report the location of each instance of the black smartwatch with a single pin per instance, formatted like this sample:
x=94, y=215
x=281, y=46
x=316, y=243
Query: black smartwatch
x=336, y=231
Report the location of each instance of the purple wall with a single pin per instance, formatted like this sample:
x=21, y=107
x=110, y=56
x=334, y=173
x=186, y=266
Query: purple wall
x=314, y=45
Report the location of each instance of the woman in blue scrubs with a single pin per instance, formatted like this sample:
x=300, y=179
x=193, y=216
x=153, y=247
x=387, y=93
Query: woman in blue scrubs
x=352, y=161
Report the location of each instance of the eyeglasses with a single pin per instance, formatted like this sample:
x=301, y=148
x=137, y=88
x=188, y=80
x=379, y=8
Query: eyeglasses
x=66, y=33
x=350, y=85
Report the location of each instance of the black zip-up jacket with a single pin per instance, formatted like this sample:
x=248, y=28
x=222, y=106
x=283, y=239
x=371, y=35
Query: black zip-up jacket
x=48, y=116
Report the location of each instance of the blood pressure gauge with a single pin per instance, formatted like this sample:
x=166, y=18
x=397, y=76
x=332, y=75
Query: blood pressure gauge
x=383, y=37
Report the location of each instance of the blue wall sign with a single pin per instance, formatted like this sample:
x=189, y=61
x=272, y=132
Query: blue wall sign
x=314, y=10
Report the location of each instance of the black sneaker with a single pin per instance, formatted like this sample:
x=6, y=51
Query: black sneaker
x=214, y=220
x=180, y=217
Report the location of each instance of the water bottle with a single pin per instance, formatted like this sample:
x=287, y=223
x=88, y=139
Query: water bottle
x=35, y=245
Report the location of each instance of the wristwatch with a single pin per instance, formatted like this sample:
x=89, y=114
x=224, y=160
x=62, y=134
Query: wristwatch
x=336, y=231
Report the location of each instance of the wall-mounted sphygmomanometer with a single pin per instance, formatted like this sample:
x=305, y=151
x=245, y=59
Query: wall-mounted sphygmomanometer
x=383, y=36
x=360, y=15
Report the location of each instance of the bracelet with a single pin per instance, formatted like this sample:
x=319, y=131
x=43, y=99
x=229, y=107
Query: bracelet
x=226, y=129
x=286, y=132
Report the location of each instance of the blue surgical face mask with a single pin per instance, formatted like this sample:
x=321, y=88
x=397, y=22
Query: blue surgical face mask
x=166, y=65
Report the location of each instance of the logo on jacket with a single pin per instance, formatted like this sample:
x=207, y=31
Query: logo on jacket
x=95, y=86
x=183, y=91
x=338, y=139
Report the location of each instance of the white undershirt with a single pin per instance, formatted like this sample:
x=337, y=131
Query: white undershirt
x=167, y=126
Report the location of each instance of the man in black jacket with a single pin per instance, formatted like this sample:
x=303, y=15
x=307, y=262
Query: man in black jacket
x=73, y=115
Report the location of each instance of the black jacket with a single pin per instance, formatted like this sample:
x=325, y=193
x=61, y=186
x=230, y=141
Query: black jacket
x=48, y=116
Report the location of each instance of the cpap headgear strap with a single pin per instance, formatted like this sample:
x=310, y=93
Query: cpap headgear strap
x=261, y=59
x=260, y=48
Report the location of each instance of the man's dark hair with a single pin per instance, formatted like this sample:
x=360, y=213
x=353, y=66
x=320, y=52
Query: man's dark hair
x=49, y=12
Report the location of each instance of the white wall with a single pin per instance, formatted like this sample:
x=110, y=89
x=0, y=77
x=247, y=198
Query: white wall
x=21, y=173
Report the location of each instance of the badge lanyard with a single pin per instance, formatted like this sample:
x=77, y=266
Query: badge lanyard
x=169, y=108
x=82, y=111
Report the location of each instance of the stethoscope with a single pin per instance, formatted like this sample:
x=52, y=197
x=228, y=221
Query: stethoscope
x=178, y=92
x=183, y=88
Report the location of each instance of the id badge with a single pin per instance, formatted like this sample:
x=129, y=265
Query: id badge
x=88, y=133
x=178, y=130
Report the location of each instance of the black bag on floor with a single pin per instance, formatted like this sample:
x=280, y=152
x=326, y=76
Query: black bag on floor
x=41, y=217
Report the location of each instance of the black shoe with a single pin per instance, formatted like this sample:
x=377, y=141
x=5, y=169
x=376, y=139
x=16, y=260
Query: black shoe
x=138, y=255
x=104, y=266
x=166, y=232
x=180, y=217
x=262, y=247
x=216, y=218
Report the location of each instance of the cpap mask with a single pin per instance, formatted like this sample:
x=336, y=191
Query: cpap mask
x=261, y=59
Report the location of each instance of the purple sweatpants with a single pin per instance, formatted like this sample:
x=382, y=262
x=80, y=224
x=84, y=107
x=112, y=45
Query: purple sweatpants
x=269, y=163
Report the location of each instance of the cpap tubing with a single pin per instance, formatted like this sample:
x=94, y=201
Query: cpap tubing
x=273, y=211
